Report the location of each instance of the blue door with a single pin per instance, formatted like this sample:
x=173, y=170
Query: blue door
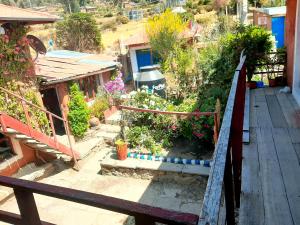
x=144, y=58
x=278, y=30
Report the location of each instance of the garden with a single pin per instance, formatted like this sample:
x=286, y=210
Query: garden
x=197, y=80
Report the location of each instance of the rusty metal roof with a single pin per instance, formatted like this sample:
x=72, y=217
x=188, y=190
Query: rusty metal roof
x=14, y=14
x=62, y=65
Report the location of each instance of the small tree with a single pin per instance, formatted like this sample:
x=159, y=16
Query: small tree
x=70, y=6
x=79, y=32
x=79, y=113
x=164, y=31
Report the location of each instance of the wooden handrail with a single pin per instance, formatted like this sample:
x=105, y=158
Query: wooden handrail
x=226, y=167
x=31, y=104
x=216, y=115
x=51, y=115
x=144, y=214
x=166, y=112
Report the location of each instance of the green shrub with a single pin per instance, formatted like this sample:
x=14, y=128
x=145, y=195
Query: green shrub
x=78, y=32
x=79, y=113
x=109, y=25
x=122, y=19
x=108, y=14
x=99, y=106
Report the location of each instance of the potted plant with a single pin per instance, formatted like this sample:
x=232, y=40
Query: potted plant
x=251, y=84
x=121, y=149
x=272, y=79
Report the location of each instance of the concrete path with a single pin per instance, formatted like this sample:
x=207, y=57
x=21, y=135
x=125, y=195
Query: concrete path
x=184, y=194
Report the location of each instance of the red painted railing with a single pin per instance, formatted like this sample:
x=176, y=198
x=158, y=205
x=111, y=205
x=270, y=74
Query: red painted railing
x=143, y=214
x=215, y=114
x=7, y=121
x=227, y=163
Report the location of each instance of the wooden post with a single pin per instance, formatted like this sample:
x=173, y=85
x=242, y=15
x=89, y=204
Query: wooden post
x=217, y=121
x=24, y=106
x=228, y=186
x=237, y=133
x=66, y=125
x=53, y=128
x=4, y=128
x=27, y=207
x=142, y=220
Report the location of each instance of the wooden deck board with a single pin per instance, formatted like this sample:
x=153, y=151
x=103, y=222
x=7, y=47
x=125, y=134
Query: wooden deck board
x=291, y=116
x=271, y=165
x=253, y=114
x=263, y=118
x=297, y=150
x=276, y=205
x=277, y=117
x=252, y=206
x=290, y=170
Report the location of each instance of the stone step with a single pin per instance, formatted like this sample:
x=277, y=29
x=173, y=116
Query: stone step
x=22, y=136
x=110, y=128
x=114, y=119
x=109, y=138
x=32, y=141
x=11, y=131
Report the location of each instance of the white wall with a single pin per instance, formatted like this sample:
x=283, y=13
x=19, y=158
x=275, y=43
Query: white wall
x=296, y=77
x=133, y=59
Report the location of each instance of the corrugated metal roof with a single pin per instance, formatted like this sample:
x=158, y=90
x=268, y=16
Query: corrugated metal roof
x=10, y=13
x=272, y=11
x=142, y=37
x=59, y=66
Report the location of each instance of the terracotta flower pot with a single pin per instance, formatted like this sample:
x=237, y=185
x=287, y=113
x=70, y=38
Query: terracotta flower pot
x=251, y=84
x=122, y=151
x=272, y=83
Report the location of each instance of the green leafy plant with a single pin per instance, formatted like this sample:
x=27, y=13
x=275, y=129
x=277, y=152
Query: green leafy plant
x=15, y=59
x=13, y=107
x=99, y=106
x=79, y=113
x=79, y=32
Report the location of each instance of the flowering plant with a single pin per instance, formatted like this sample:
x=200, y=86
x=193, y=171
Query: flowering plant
x=15, y=59
x=115, y=87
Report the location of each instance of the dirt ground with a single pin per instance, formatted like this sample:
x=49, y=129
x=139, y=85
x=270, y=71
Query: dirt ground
x=178, y=193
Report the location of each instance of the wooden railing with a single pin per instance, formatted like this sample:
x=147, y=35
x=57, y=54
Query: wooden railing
x=226, y=169
x=25, y=106
x=143, y=214
x=272, y=63
x=215, y=114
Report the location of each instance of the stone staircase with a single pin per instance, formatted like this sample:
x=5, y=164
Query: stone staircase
x=30, y=141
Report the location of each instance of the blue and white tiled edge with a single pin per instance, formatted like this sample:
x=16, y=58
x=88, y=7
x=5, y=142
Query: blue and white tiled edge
x=205, y=163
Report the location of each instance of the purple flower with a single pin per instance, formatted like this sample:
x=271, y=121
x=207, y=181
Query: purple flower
x=116, y=85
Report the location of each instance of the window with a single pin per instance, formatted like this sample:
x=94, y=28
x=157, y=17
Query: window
x=89, y=86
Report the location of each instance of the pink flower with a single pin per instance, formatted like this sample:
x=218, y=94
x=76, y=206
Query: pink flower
x=199, y=135
x=173, y=127
x=206, y=125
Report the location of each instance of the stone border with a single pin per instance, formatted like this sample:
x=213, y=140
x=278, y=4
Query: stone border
x=205, y=163
x=149, y=169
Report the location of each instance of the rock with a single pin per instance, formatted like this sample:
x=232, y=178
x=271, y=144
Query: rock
x=94, y=122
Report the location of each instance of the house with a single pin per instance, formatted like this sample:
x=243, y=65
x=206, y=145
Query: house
x=140, y=52
x=59, y=68
x=272, y=19
x=14, y=153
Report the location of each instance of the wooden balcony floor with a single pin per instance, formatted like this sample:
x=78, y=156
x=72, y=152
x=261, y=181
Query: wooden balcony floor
x=271, y=171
